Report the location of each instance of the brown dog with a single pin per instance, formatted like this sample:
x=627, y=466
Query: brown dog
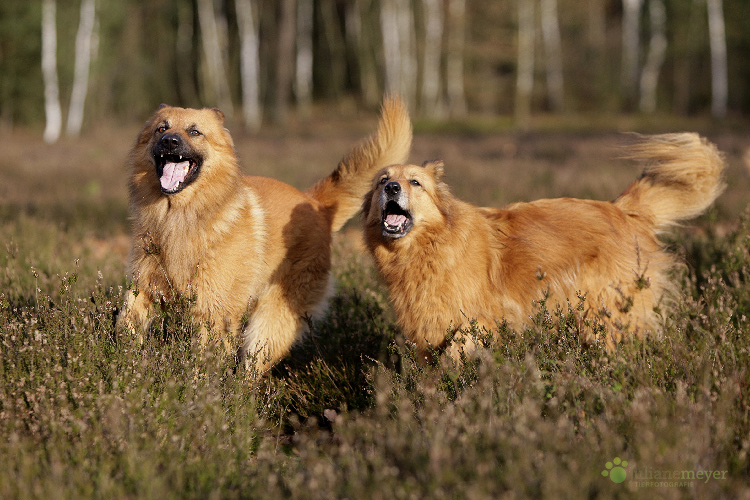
x=447, y=262
x=244, y=247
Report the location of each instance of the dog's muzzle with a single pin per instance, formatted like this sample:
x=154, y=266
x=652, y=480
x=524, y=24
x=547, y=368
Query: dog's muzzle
x=176, y=163
x=395, y=219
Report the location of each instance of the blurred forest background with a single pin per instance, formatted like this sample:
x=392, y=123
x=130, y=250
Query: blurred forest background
x=65, y=65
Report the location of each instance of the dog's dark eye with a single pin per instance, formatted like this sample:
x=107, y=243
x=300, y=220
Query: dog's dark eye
x=414, y=182
x=383, y=180
x=161, y=129
x=194, y=132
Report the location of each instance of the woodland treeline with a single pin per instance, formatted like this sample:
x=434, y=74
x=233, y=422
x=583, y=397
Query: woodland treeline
x=67, y=63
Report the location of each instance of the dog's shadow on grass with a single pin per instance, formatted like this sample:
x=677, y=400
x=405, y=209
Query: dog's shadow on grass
x=329, y=368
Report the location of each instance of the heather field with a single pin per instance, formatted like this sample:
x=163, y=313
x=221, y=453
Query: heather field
x=87, y=414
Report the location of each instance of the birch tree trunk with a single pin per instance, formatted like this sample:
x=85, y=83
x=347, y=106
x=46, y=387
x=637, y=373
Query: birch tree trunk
x=52, y=110
x=454, y=64
x=552, y=53
x=399, y=47
x=215, y=72
x=82, y=64
x=391, y=52
x=304, y=62
x=252, y=114
x=432, y=104
x=630, y=48
x=525, y=76
x=717, y=36
x=657, y=51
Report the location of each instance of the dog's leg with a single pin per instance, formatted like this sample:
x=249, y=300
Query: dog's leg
x=135, y=316
x=272, y=329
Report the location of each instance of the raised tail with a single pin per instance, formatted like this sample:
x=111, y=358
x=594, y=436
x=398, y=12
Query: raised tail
x=342, y=191
x=684, y=175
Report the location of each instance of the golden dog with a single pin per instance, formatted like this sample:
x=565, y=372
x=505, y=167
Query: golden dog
x=447, y=262
x=243, y=247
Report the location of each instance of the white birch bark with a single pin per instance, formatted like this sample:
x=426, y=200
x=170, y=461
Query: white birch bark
x=399, y=47
x=391, y=52
x=252, y=114
x=409, y=61
x=657, y=51
x=630, y=46
x=52, y=109
x=216, y=75
x=82, y=64
x=717, y=37
x=552, y=53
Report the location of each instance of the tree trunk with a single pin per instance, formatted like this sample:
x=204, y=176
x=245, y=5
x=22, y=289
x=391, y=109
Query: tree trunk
x=252, y=114
x=216, y=75
x=595, y=60
x=52, y=110
x=399, y=47
x=717, y=36
x=362, y=44
x=432, y=104
x=335, y=46
x=657, y=51
x=454, y=64
x=82, y=64
x=687, y=43
x=553, y=53
x=186, y=89
x=304, y=71
x=630, y=48
x=525, y=76
x=391, y=52
x=284, y=61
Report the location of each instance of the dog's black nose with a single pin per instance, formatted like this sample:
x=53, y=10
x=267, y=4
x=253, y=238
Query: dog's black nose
x=171, y=141
x=392, y=188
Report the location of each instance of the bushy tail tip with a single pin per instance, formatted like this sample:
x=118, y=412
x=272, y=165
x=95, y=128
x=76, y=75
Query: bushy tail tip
x=683, y=176
x=343, y=190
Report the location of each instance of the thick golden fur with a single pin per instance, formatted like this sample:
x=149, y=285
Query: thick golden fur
x=243, y=247
x=447, y=262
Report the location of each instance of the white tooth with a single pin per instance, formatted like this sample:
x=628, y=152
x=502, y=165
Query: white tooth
x=180, y=157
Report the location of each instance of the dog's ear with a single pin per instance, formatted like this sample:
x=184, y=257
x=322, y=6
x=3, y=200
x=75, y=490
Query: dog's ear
x=163, y=105
x=219, y=115
x=366, y=205
x=436, y=168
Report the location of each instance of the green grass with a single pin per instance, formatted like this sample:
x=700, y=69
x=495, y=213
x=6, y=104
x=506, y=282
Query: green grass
x=349, y=414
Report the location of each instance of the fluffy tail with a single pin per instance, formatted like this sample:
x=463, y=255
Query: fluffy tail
x=342, y=191
x=684, y=176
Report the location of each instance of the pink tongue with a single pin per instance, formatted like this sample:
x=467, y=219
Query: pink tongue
x=173, y=174
x=395, y=220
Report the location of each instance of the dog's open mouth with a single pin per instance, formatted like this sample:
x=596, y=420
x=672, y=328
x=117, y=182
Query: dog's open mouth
x=175, y=171
x=397, y=222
